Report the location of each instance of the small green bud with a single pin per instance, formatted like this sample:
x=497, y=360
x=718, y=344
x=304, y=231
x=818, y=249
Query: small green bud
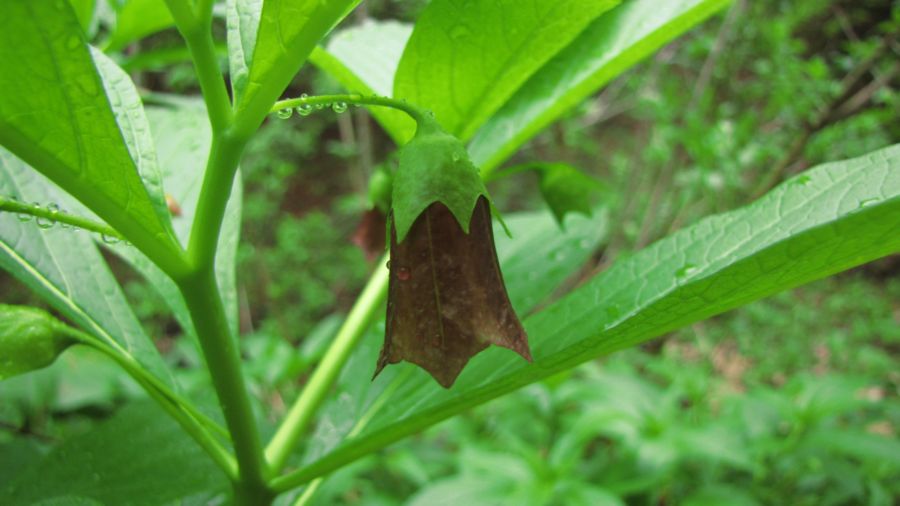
x=380, y=186
x=30, y=339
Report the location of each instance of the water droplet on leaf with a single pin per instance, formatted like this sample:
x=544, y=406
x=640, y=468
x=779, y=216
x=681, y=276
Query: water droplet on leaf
x=867, y=202
x=686, y=270
x=285, y=113
x=801, y=180
x=109, y=239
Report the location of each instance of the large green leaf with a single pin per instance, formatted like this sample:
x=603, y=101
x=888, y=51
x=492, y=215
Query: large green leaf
x=129, y=113
x=287, y=31
x=55, y=116
x=64, y=268
x=534, y=265
x=364, y=59
x=182, y=136
x=465, y=59
x=831, y=218
x=607, y=47
x=139, y=457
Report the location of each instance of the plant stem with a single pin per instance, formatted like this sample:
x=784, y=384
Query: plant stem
x=201, y=294
x=53, y=215
x=351, y=98
x=197, y=34
x=225, y=154
x=301, y=413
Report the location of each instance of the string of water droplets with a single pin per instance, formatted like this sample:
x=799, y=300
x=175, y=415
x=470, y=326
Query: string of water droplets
x=46, y=217
x=306, y=105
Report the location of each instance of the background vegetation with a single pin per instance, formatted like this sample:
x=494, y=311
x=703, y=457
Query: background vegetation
x=791, y=400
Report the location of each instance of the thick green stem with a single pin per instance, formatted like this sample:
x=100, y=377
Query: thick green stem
x=224, y=362
x=301, y=413
x=224, y=156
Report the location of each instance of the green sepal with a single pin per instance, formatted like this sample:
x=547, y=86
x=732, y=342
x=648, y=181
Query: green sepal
x=434, y=167
x=30, y=339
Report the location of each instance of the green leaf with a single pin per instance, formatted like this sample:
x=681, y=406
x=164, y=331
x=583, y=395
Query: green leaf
x=182, y=135
x=139, y=457
x=64, y=268
x=129, y=113
x=242, y=19
x=434, y=167
x=605, y=49
x=464, y=60
x=30, y=339
x=566, y=189
x=826, y=220
x=286, y=33
x=84, y=9
x=69, y=132
x=364, y=59
x=137, y=19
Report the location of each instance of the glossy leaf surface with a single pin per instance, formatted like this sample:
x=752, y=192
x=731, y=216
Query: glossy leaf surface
x=607, y=47
x=464, y=60
x=69, y=132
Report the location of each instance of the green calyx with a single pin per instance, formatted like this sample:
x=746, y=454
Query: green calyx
x=434, y=167
x=30, y=339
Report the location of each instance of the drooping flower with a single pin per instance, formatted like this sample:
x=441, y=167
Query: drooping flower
x=446, y=296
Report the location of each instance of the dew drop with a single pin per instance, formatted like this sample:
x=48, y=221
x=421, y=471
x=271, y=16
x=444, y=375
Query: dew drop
x=801, y=180
x=304, y=110
x=339, y=107
x=109, y=239
x=45, y=222
x=403, y=274
x=320, y=106
x=285, y=113
x=686, y=270
x=867, y=203
x=23, y=217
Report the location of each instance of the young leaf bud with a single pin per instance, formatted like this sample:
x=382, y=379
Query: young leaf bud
x=30, y=339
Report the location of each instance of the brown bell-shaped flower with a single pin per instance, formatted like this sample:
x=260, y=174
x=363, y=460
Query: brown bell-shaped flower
x=446, y=297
